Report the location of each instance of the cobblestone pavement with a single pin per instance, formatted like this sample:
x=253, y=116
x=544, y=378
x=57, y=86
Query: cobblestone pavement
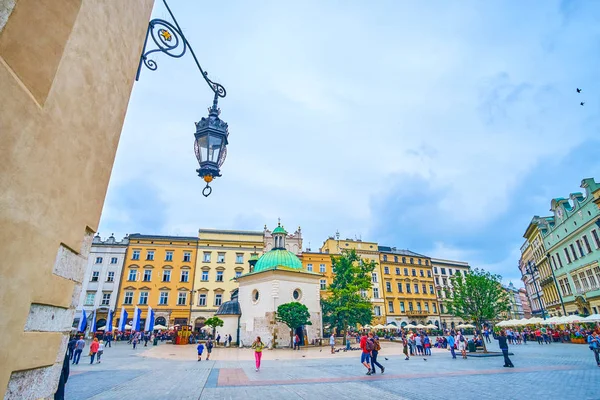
x=554, y=371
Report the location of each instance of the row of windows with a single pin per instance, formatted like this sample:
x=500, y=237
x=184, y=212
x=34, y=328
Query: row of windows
x=207, y=256
x=411, y=307
x=110, y=276
x=135, y=255
x=587, y=279
x=411, y=260
x=322, y=268
x=388, y=288
x=113, y=260
x=166, y=275
x=90, y=297
x=575, y=250
x=163, y=298
x=450, y=272
x=386, y=270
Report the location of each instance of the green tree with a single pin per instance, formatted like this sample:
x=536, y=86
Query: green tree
x=345, y=305
x=214, y=322
x=477, y=297
x=294, y=315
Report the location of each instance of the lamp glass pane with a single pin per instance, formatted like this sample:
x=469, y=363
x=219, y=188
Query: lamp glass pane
x=214, y=148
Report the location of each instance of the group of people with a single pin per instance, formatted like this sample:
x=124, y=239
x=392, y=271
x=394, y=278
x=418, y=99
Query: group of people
x=76, y=346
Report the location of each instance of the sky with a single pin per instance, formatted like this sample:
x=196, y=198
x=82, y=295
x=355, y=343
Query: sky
x=440, y=127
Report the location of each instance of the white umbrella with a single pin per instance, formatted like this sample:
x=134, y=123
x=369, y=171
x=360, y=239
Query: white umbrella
x=592, y=318
x=468, y=326
x=533, y=321
x=378, y=326
x=551, y=321
x=409, y=326
x=391, y=326
x=420, y=326
x=127, y=326
x=571, y=319
x=104, y=327
x=159, y=327
x=206, y=327
x=431, y=326
x=367, y=326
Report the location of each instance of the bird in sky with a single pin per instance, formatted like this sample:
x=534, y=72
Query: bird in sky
x=578, y=90
x=582, y=103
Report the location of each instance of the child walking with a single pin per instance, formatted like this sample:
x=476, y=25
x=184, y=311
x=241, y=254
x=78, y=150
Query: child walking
x=258, y=347
x=200, y=350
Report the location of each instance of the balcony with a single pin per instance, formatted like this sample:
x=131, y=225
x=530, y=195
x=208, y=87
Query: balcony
x=546, y=281
x=416, y=313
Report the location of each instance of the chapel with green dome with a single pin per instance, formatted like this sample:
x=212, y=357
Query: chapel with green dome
x=278, y=257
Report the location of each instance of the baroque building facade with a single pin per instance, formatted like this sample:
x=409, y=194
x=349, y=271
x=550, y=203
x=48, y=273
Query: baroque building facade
x=443, y=271
x=535, y=270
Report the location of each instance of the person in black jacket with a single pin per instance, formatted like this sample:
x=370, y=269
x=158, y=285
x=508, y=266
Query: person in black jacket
x=64, y=376
x=71, y=347
x=502, y=342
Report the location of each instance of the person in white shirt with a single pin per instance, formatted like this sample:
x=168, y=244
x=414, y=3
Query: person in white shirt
x=332, y=343
x=100, y=351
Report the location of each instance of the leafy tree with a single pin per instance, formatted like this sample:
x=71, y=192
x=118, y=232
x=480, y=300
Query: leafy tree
x=214, y=322
x=477, y=296
x=345, y=305
x=294, y=315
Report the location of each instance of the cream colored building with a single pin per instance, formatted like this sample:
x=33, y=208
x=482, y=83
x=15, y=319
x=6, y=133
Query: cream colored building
x=66, y=73
x=443, y=270
x=222, y=256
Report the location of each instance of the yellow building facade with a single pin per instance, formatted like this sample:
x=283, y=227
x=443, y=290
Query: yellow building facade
x=222, y=256
x=159, y=272
x=320, y=263
x=367, y=251
x=409, y=287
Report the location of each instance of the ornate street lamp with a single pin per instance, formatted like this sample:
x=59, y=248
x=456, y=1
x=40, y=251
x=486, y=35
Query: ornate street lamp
x=211, y=133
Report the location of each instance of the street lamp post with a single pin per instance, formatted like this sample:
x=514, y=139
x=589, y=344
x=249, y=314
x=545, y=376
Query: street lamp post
x=211, y=136
x=531, y=269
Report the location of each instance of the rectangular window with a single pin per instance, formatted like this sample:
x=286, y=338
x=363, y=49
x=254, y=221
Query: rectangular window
x=89, y=298
x=204, y=276
x=587, y=244
x=554, y=263
x=435, y=270
x=374, y=277
x=428, y=274
x=581, y=253
x=408, y=288
x=147, y=275
x=150, y=255
x=577, y=284
x=182, y=299
x=424, y=287
x=163, y=300
x=406, y=271
x=166, y=276
x=391, y=306
x=218, y=299
x=95, y=276
x=444, y=281
x=559, y=260
x=309, y=267
x=434, y=308
x=105, y=299
x=219, y=276
x=143, y=298
x=169, y=256
x=386, y=270
x=239, y=258
x=431, y=289
x=397, y=271
x=596, y=238
x=427, y=307
x=128, y=299
x=221, y=258
x=442, y=308
x=410, y=306
x=322, y=268
x=402, y=307
x=449, y=271
x=135, y=255
x=98, y=260
x=443, y=271
x=591, y=279
x=568, y=256
x=323, y=284
x=418, y=306
x=416, y=288
x=206, y=257
x=377, y=311
x=187, y=256
x=421, y=272
x=363, y=293
x=185, y=276
x=437, y=280
x=399, y=287
x=584, y=281
x=238, y=274
x=110, y=277
x=573, y=251
x=114, y=260
x=202, y=299
x=375, y=293
x=388, y=287
x=414, y=272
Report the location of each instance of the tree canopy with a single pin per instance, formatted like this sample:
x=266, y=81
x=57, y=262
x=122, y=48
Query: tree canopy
x=214, y=322
x=345, y=304
x=294, y=315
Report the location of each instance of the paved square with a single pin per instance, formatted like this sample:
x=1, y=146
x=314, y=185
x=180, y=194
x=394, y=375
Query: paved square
x=551, y=371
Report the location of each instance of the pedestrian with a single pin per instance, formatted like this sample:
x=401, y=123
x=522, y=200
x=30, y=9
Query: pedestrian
x=200, y=349
x=100, y=350
x=230, y=339
x=258, y=347
x=486, y=334
x=365, y=356
x=538, y=335
x=376, y=349
x=348, y=340
x=405, y=347
x=218, y=338
x=419, y=344
x=108, y=339
x=411, y=344
x=332, y=343
x=71, y=347
x=594, y=342
x=462, y=345
x=297, y=341
x=62, y=381
x=502, y=342
x=146, y=339
x=94, y=349
x=427, y=345
x=134, y=341
x=451, y=344
x=79, y=346
x=209, y=347
x=545, y=335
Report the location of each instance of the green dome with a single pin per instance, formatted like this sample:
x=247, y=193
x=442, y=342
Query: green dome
x=279, y=229
x=278, y=258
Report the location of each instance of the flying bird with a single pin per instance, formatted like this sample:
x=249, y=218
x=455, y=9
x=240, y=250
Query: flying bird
x=582, y=103
x=424, y=359
x=385, y=358
x=578, y=90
